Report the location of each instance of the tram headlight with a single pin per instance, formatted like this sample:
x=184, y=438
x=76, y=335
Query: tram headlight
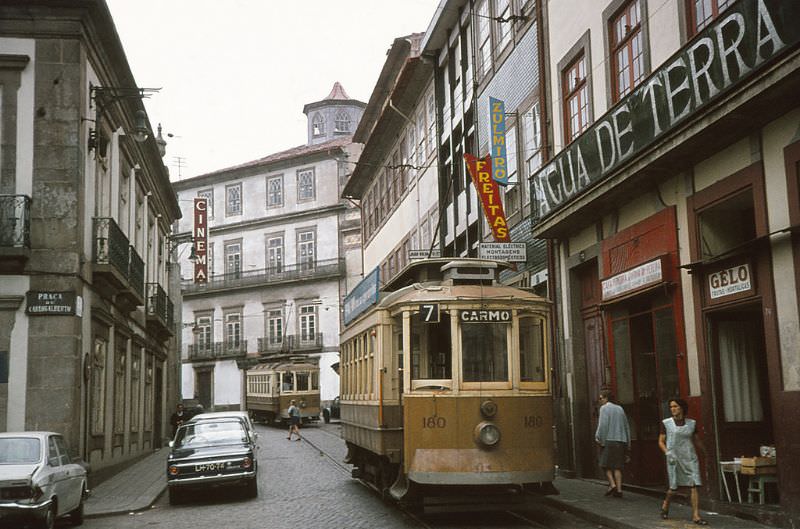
x=487, y=434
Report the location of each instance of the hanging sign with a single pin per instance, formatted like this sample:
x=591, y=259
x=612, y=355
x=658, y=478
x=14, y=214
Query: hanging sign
x=489, y=191
x=736, y=47
x=729, y=281
x=513, y=252
x=497, y=113
x=200, y=240
x=363, y=295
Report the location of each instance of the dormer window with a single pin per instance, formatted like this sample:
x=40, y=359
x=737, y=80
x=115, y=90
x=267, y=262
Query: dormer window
x=318, y=125
x=342, y=121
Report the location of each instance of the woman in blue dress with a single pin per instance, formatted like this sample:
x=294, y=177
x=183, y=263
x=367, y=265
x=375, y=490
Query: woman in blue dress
x=680, y=444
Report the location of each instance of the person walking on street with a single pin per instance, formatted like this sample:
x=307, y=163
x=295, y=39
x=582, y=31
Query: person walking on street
x=179, y=417
x=680, y=444
x=294, y=421
x=614, y=436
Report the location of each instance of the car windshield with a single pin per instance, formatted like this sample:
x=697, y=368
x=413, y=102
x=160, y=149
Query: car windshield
x=19, y=450
x=194, y=435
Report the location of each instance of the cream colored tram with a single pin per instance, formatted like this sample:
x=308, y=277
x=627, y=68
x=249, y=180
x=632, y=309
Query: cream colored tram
x=445, y=383
x=272, y=385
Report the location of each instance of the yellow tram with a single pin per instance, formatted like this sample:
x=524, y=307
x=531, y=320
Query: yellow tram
x=445, y=382
x=272, y=385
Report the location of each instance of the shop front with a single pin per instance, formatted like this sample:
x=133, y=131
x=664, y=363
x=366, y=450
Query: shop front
x=736, y=317
x=641, y=304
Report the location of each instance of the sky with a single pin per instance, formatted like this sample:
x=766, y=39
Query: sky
x=235, y=74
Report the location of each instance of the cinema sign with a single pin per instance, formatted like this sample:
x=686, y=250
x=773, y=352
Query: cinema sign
x=739, y=43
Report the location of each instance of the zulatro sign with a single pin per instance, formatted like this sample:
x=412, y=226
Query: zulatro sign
x=743, y=39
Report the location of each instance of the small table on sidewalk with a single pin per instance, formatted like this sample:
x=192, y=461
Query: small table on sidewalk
x=735, y=468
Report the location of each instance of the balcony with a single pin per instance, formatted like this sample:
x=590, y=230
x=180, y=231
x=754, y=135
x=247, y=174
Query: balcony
x=217, y=351
x=15, y=232
x=159, y=311
x=305, y=343
x=331, y=268
x=269, y=344
x=118, y=269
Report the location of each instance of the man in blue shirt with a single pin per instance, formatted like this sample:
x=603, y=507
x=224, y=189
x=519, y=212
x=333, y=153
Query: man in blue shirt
x=613, y=434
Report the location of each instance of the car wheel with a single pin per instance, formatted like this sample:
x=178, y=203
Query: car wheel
x=49, y=520
x=252, y=488
x=76, y=516
x=175, y=496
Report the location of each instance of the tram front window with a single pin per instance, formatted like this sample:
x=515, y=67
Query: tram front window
x=484, y=352
x=288, y=382
x=430, y=348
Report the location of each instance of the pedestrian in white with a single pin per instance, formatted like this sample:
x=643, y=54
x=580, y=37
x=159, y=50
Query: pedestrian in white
x=614, y=436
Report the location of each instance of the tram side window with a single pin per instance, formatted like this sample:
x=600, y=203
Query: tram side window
x=485, y=352
x=531, y=350
x=302, y=381
x=431, y=350
x=314, y=381
x=288, y=382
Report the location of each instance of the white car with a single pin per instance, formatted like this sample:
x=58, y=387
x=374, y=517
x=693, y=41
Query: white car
x=241, y=415
x=39, y=480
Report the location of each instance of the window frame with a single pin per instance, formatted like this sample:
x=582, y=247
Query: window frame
x=300, y=192
x=610, y=15
x=208, y=194
x=229, y=253
x=692, y=28
x=581, y=49
x=229, y=211
x=272, y=204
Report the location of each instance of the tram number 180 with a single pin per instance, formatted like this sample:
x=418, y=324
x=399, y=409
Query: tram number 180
x=434, y=422
x=533, y=421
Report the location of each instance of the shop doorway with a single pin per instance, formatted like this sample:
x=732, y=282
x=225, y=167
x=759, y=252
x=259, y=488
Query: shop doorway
x=740, y=382
x=644, y=356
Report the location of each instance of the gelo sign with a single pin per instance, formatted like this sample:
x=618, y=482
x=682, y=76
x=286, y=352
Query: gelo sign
x=729, y=281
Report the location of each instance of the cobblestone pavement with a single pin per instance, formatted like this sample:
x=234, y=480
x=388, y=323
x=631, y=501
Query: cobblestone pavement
x=306, y=485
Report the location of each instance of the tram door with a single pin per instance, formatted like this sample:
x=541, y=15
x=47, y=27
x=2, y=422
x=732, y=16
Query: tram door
x=645, y=373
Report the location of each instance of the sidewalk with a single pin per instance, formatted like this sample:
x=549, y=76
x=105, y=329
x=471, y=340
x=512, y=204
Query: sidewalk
x=584, y=498
x=139, y=486
x=134, y=489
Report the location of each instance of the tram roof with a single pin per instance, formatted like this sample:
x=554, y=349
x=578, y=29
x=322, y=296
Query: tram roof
x=434, y=270
x=286, y=365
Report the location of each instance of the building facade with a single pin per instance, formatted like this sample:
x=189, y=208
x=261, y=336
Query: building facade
x=671, y=199
x=283, y=248
x=86, y=326
x=396, y=179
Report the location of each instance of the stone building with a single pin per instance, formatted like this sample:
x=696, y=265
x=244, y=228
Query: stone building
x=283, y=248
x=86, y=332
x=672, y=200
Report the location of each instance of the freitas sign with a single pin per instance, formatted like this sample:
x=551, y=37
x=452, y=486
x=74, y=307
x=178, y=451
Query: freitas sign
x=741, y=41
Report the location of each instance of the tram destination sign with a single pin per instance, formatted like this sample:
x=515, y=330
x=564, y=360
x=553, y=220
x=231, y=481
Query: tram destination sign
x=485, y=316
x=53, y=304
x=740, y=42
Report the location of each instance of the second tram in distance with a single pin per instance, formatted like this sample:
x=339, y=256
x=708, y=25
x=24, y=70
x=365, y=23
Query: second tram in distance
x=272, y=385
x=445, y=383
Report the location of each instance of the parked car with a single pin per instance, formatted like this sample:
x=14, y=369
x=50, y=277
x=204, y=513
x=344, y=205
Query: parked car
x=211, y=453
x=39, y=480
x=241, y=415
x=332, y=411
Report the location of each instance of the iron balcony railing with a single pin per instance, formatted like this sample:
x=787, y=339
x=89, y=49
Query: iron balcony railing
x=277, y=274
x=15, y=221
x=270, y=344
x=136, y=272
x=216, y=350
x=305, y=342
x=157, y=302
x=111, y=247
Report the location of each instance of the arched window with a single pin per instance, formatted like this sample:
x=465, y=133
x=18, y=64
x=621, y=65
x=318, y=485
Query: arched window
x=342, y=121
x=318, y=125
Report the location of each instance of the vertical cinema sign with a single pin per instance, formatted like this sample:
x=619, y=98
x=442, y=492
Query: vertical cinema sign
x=489, y=191
x=200, y=240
